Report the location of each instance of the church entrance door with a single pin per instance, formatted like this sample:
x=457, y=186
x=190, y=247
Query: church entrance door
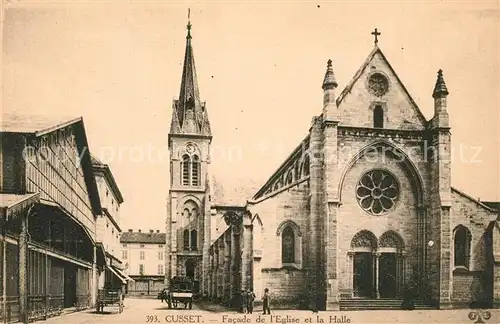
x=363, y=274
x=190, y=267
x=388, y=279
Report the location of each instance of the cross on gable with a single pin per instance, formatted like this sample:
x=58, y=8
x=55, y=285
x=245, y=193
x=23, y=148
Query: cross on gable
x=376, y=33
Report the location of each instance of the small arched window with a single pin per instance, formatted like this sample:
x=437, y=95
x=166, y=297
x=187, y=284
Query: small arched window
x=190, y=103
x=462, y=247
x=194, y=240
x=195, y=171
x=288, y=245
x=185, y=239
x=185, y=170
x=378, y=117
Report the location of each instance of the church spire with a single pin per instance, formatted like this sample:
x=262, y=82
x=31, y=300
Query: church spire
x=190, y=115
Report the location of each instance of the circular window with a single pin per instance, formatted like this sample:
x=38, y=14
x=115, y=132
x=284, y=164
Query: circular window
x=377, y=192
x=378, y=85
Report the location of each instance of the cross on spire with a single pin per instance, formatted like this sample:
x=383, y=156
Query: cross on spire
x=376, y=33
x=189, y=24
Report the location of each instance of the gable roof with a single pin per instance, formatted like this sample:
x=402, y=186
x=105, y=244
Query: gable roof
x=357, y=75
x=37, y=125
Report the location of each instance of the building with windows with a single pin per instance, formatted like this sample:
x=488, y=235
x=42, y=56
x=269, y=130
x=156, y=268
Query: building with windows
x=108, y=230
x=49, y=209
x=143, y=255
x=362, y=211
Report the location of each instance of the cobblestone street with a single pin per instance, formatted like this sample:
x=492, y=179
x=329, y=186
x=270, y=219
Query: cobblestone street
x=153, y=311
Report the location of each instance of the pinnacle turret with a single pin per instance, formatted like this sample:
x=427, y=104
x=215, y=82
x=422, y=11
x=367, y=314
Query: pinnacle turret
x=440, y=89
x=329, y=80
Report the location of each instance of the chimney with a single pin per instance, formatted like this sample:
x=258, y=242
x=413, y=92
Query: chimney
x=130, y=230
x=151, y=231
x=157, y=231
x=139, y=231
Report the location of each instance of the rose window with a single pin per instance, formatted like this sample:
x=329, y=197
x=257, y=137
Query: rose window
x=378, y=85
x=377, y=192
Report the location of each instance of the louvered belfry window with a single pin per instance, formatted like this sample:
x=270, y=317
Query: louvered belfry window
x=195, y=171
x=185, y=170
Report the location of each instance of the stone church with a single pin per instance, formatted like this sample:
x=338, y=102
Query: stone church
x=360, y=212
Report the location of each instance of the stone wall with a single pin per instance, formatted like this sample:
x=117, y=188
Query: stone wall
x=290, y=204
x=470, y=285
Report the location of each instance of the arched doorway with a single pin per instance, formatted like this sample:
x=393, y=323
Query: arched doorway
x=190, y=268
x=363, y=244
x=390, y=265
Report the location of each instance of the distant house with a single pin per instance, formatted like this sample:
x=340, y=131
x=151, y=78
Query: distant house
x=144, y=256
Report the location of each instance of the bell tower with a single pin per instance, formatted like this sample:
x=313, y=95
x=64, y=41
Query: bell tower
x=188, y=203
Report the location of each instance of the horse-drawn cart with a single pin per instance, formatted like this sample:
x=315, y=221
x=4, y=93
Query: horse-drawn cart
x=181, y=291
x=109, y=296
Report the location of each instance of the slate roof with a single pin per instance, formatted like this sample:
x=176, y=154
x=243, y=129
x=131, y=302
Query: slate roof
x=143, y=237
x=235, y=194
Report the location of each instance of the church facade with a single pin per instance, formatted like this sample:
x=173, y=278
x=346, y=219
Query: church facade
x=363, y=209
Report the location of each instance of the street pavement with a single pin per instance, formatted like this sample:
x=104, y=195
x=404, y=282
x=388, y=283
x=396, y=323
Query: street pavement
x=154, y=311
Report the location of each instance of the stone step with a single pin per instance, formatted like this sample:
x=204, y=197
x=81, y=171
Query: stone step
x=378, y=304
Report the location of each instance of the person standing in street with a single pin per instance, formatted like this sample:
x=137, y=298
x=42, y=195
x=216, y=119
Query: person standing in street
x=266, y=302
x=243, y=301
x=250, y=300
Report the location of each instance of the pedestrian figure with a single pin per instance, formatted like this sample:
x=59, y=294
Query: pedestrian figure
x=408, y=298
x=243, y=301
x=315, y=305
x=250, y=300
x=266, y=302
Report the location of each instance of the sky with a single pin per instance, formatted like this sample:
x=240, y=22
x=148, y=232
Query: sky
x=260, y=67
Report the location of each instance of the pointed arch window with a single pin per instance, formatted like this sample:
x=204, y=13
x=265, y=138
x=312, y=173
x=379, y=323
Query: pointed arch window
x=288, y=245
x=305, y=169
x=462, y=246
x=185, y=169
x=378, y=117
x=185, y=239
x=195, y=171
x=194, y=240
